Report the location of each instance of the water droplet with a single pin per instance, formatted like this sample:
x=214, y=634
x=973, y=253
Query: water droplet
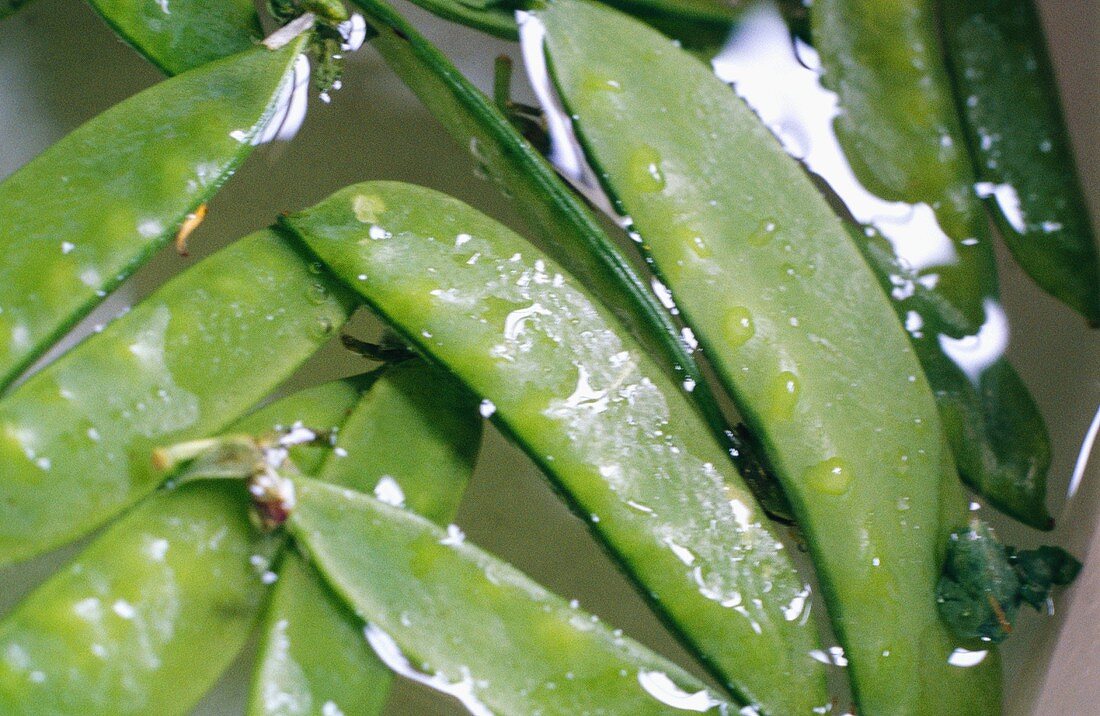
x=783, y=395
x=903, y=504
x=592, y=83
x=831, y=477
x=322, y=328
x=739, y=326
x=764, y=233
x=644, y=171
x=316, y=268
x=317, y=294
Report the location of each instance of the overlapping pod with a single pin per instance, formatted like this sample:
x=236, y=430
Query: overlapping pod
x=565, y=227
x=75, y=439
x=800, y=333
x=411, y=441
x=148, y=616
x=83, y=215
x=1007, y=96
x=593, y=410
x=184, y=34
x=996, y=432
x=442, y=612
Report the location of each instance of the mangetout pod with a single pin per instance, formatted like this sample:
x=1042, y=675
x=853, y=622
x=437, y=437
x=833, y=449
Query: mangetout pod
x=595, y=412
x=799, y=331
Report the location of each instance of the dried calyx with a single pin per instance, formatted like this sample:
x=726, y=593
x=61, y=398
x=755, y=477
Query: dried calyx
x=264, y=462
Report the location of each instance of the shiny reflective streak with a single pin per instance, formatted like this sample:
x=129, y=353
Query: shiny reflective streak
x=779, y=77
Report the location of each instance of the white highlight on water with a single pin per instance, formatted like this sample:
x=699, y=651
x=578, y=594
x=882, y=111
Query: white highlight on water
x=760, y=61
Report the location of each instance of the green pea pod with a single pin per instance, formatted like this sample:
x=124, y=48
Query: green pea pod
x=75, y=439
x=1008, y=99
x=496, y=19
x=448, y=615
x=412, y=440
x=798, y=331
x=146, y=618
x=184, y=34
x=151, y=613
x=82, y=216
x=900, y=133
x=996, y=432
x=567, y=228
x=593, y=410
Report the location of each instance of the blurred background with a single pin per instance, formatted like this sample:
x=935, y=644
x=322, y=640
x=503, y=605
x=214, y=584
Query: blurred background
x=60, y=65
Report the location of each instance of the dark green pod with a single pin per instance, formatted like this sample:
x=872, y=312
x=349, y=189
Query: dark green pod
x=82, y=216
x=76, y=439
x=1007, y=96
x=178, y=35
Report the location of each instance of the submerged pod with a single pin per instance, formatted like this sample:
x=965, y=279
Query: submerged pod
x=76, y=438
x=146, y=618
x=800, y=333
x=565, y=227
x=901, y=135
x=411, y=441
x=178, y=35
x=996, y=432
x=993, y=425
x=1007, y=96
x=83, y=215
x=450, y=616
x=592, y=409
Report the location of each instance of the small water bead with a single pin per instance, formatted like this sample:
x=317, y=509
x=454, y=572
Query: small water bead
x=317, y=294
x=739, y=326
x=830, y=477
x=644, y=170
x=322, y=328
x=903, y=503
x=783, y=395
x=764, y=233
x=593, y=83
x=316, y=268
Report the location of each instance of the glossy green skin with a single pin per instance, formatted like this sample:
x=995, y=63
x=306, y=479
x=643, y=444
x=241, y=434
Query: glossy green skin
x=996, y=432
x=87, y=212
x=462, y=615
x=144, y=620
x=589, y=406
x=900, y=131
x=566, y=227
x=801, y=335
x=1008, y=99
x=185, y=33
x=417, y=426
x=182, y=562
x=76, y=439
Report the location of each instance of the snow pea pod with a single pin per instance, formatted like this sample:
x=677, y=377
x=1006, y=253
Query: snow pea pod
x=996, y=432
x=189, y=34
x=412, y=441
x=473, y=626
x=594, y=411
x=75, y=439
x=567, y=229
x=144, y=620
x=177, y=577
x=901, y=134
x=1008, y=99
x=799, y=332
x=83, y=215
